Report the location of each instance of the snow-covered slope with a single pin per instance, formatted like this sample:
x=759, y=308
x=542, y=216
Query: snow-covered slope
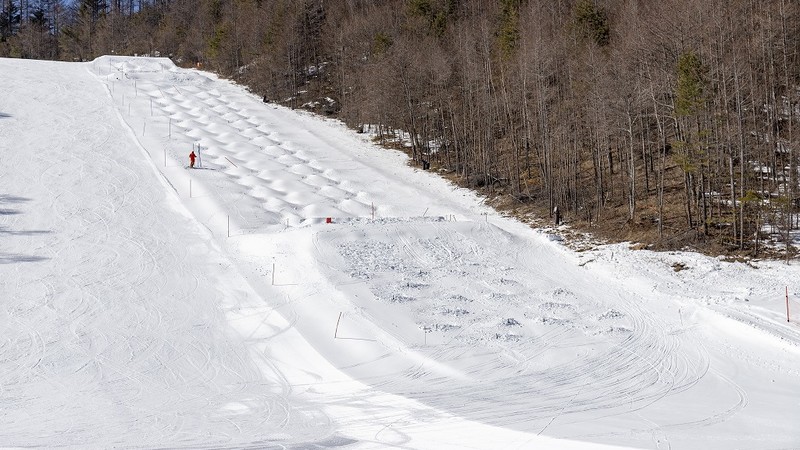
x=144, y=304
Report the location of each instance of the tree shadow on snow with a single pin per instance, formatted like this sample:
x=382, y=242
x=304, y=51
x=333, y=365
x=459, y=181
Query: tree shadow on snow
x=6, y=198
x=10, y=258
x=4, y=230
x=13, y=258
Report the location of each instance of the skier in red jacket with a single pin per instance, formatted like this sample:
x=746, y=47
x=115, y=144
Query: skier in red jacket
x=192, y=156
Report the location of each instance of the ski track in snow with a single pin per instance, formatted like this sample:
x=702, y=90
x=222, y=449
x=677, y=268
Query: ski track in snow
x=445, y=310
x=531, y=327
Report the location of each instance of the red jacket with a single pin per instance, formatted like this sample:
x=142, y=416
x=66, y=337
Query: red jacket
x=192, y=156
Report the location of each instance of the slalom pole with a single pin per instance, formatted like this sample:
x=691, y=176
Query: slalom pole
x=787, y=304
x=336, y=332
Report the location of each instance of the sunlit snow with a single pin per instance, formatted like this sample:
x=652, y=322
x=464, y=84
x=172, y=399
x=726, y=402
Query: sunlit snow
x=304, y=288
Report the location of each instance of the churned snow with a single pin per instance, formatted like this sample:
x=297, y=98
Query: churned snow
x=145, y=304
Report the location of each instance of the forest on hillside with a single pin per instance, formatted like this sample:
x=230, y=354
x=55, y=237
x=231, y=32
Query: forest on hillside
x=670, y=123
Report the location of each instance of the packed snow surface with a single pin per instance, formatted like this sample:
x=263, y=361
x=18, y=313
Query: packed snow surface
x=146, y=304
